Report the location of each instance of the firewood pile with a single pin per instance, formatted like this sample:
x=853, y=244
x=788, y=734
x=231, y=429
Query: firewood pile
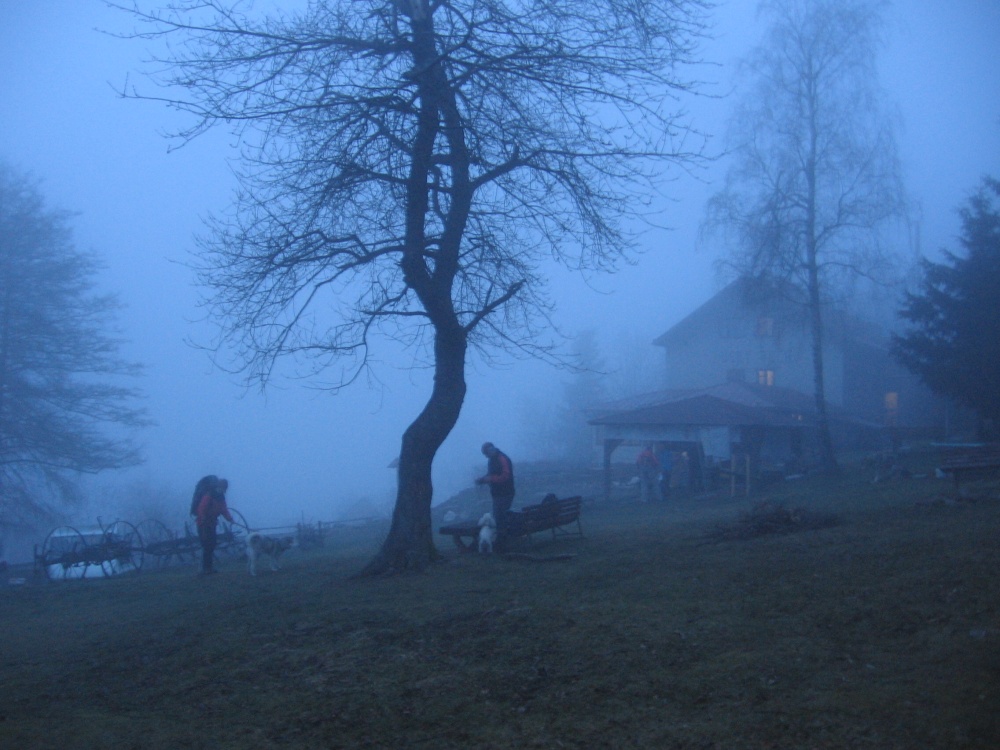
x=765, y=519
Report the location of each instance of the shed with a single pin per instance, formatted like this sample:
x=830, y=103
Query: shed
x=714, y=425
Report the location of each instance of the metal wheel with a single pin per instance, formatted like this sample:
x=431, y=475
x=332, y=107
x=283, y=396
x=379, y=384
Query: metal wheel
x=233, y=536
x=122, y=549
x=160, y=543
x=188, y=545
x=64, y=554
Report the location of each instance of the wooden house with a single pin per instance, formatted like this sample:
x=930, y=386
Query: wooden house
x=738, y=383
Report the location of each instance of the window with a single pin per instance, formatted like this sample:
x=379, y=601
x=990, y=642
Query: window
x=765, y=326
x=735, y=375
x=891, y=408
x=765, y=377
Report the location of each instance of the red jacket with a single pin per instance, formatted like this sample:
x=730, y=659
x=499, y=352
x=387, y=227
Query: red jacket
x=210, y=508
x=647, y=460
x=499, y=475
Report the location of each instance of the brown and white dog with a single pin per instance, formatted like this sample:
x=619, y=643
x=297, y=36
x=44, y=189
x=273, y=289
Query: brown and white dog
x=258, y=545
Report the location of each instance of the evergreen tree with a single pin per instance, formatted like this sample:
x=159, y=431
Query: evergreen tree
x=954, y=340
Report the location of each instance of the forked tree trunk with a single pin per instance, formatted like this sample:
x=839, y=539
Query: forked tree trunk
x=410, y=543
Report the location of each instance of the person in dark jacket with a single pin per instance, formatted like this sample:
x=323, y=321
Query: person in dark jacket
x=649, y=475
x=211, y=505
x=666, y=458
x=500, y=477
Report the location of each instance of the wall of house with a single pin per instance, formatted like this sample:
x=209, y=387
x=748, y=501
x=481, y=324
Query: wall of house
x=767, y=343
x=743, y=333
x=888, y=394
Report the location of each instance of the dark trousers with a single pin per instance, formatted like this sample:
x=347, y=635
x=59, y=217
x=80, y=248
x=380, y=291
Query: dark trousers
x=207, y=536
x=665, y=482
x=501, y=507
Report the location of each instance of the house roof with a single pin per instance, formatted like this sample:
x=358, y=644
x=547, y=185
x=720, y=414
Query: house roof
x=699, y=410
x=771, y=298
x=741, y=293
x=728, y=404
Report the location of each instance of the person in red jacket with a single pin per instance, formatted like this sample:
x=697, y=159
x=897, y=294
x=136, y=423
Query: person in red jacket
x=500, y=477
x=211, y=505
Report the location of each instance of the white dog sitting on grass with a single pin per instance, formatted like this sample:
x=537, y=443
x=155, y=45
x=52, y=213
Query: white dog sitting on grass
x=487, y=533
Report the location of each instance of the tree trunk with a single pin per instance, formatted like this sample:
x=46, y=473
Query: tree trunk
x=828, y=456
x=410, y=544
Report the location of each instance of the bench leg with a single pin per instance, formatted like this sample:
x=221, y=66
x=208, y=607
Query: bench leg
x=462, y=546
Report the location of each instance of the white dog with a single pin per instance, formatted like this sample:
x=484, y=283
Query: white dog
x=487, y=533
x=258, y=544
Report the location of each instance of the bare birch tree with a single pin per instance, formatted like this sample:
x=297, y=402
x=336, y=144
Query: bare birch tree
x=408, y=166
x=814, y=182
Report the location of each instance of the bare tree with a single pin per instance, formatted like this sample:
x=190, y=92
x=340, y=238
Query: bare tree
x=65, y=406
x=407, y=168
x=815, y=180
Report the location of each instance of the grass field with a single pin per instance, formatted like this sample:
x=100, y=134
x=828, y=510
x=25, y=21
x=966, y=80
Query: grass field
x=879, y=631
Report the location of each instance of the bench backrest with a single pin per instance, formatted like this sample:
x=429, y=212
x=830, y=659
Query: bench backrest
x=551, y=513
x=986, y=455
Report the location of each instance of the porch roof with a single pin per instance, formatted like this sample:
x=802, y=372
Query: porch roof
x=728, y=404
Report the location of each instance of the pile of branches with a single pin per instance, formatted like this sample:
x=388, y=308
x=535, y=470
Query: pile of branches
x=766, y=518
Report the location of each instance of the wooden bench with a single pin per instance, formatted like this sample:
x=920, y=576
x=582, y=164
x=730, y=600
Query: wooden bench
x=561, y=517
x=975, y=460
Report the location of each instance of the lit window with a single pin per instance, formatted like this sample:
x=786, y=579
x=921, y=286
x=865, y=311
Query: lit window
x=891, y=408
x=765, y=377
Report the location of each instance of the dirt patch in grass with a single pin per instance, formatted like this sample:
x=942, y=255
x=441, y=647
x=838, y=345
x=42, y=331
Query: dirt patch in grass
x=882, y=631
x=766, y=518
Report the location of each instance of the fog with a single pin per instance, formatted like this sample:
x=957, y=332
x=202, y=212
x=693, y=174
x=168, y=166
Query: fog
x=294, y=451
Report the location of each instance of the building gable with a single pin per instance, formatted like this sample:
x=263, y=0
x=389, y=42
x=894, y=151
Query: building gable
x=751, y=333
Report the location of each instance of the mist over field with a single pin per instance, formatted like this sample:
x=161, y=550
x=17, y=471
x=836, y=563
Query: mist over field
x=298, y=452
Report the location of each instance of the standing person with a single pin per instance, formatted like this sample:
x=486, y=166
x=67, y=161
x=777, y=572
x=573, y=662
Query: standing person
x=211, y=505
x=500, y=477
x=649, y=474
x=683, y=470
x=204, y=485
x=666, y=469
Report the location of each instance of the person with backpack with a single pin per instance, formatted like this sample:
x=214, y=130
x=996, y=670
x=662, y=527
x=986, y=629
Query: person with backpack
x=208, y=504
x=204, y=485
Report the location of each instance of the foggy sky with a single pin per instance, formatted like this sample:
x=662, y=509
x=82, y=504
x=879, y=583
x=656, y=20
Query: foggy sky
x=295, y=451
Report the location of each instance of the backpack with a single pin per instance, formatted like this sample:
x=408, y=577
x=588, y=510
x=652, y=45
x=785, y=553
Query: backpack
x=204, y=485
